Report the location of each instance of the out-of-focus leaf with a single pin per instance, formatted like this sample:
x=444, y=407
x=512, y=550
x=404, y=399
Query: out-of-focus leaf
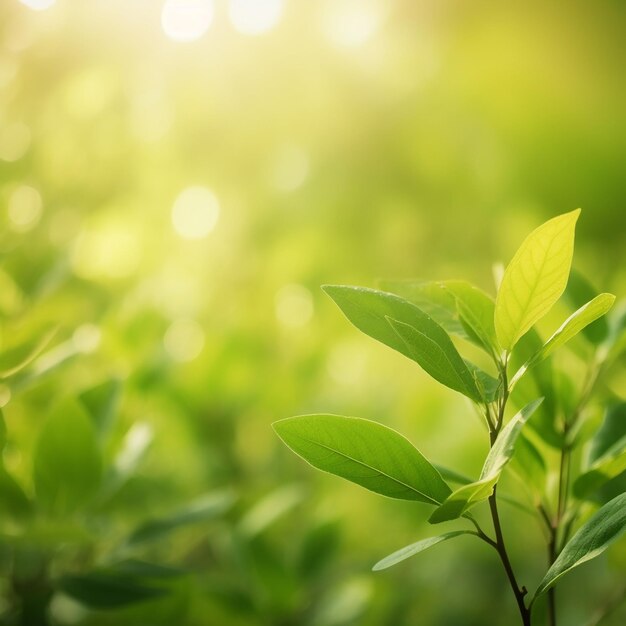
x=452, y=476
x=416, y=548
x=578, y=291
x=364, y=452
x=202, y=510
x=318, y=547
x=13, y=501
x=17, y=358
x=612, y=430
x=134, y=446
x=591, y=540
x=529, y=464
x=3, y=432
x=110, y=589
x=405, y=328
x=67, y=465
x=576, y=322
x=466, y=496
x=535, y=278
x=611, y=464
x=269, y=509
x=540, y=382
x=101, y=403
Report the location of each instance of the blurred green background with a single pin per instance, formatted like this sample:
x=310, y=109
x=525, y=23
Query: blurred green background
x=177, y=180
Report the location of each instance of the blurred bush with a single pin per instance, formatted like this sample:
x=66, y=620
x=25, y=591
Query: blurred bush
x=176, y=184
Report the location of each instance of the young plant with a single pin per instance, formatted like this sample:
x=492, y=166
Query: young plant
x=417, y=319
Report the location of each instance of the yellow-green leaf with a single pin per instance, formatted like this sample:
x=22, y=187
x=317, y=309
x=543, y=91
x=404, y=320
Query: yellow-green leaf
x=535, y=279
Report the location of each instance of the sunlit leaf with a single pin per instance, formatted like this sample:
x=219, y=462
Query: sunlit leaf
x=535, y=279
x=364, y=452
x=591, y=540
x=466, y=496
x=67, y=465
x=416, y=548
x=576, y=322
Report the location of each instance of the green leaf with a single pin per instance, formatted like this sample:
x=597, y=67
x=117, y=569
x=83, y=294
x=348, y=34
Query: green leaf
x=415, y=548
x=405, y=328
x=466, y=496
x=539, y=382
x=17, y=358
x=458, y=306
x=432, y=298
x=535, y=279
x=13, y=500
x=578, y=291
x=591, y=540
x=607, y=467
x=529, y=465
x=67, y=464
x=476, y=311
x=576, y=322
x=110, y=588
x=202, y=510
x=364, y=452
x=102, y=402
x=452, y=476
x=613, y=429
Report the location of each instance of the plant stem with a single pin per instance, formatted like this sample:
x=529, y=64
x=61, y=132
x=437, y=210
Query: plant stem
x=551, y=591
x=500, y=546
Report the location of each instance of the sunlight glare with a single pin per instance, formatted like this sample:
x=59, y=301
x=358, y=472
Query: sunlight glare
x=254, y=17
x=195, y=212
x=38, y=5
x=186, y=20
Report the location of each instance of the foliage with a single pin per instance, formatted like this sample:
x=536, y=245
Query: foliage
x=383, y=461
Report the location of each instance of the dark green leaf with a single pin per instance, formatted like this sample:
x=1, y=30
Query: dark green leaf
x=591, y=540
x=17, y=358
x=364, y=452
x=405, y=328
x=109, y=589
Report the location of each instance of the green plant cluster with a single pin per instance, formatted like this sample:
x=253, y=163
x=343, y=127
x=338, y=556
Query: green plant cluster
x=582, y=517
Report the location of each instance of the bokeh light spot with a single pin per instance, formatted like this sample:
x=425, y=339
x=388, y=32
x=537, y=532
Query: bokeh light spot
x=38, y=5
x=86, y=338
x=254, y=17
x=184, y=340
x=195, y=212
x=110, y=248
x=186, y=20
x=25, y=208
x=351, y=23
x=294, y=306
